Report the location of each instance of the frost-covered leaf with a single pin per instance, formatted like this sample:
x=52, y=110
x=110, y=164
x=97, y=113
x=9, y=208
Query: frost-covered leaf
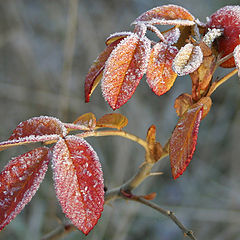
x=19, y=182
x=38, y=126
x=78, y=182
x=188, y=59
x=184, y=139
x=167, y=15
x=183, y=103
x=124, y=69
x=160, y=76
x=27, y=140
x=94, y=74
x=236, y=54
x=116, y=36
x=113, y=120
x=171, y=36
x=211, y=35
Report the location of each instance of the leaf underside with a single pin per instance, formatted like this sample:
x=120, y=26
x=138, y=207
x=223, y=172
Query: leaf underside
x=19, y=181
x=184, y=139
x=78, y=182
x=113, y=120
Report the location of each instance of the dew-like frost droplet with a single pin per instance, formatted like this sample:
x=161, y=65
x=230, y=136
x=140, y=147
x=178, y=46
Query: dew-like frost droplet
x=160, y=76
x=124, y=69
x=19, y=181
x=78, y=182
x=188, y=59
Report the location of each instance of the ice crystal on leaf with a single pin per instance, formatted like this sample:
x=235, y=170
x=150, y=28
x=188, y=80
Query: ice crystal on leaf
x=160, y=76
x=172, y=35
x=19, y=182
x=78, y=182
x=124, y=69
x=236, y=55
x=188, y=59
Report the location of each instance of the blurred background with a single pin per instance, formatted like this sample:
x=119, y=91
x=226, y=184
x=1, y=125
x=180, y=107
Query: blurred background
x=46, y=49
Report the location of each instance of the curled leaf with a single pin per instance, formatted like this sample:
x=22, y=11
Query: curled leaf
x=160, y=76
x=88, y=120
x=150, y=196
x=184, y=139
x=94, y=74
x=171, y=36
x=206, y=102
x=124, y=69
x=167, y=15
x=78, y=182
x=116, y=36
x=39, y=126
x=236, y=54
x=182, y=103
x=188, y=59
x=113, y=120
x=19, y=181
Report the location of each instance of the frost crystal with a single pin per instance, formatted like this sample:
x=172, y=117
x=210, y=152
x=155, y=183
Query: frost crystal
x=211, y=35
x=236, y=55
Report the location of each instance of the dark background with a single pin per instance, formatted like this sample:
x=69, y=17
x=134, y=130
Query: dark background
x=46, y=49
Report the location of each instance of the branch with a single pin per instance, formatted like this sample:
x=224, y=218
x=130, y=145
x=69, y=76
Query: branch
x=170, y=214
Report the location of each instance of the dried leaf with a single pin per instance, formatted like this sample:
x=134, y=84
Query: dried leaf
x=116, y=36
x=160, y=76
x=94, y=74
x=78, y=182
x=38, y=126
x=236, y=54
x=113, y=120
x=188, y=59
x=150, y=196
x=88, y=120
x=26, y=140
x=167, y=15
x=151, y=135
x=182, y=103
x=206, y=103
x=124, y=69
x=19, y=181
x=184, y=139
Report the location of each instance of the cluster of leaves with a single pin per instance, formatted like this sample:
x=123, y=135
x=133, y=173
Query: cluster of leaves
x=190, y=47
x=77, y=171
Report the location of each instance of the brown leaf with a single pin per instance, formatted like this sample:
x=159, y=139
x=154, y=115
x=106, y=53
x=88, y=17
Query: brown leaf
x=160, y=76
x=206, y=102
x=182, y=103
x=184, y=139
x=150, y=196
x=88, y=120
x=112, y=120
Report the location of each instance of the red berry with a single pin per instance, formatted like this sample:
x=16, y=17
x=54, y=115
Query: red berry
x=228, y=19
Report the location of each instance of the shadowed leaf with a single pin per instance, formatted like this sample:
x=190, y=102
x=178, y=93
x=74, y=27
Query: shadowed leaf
x=78, y=182
x=113, y=120
x=19, y=182
x=160, y=76
x=167, y=15
x=184, y=139
x=94, y=74
x=124, y=69
x=39, y=126
x=182, y=103
x=206, y=102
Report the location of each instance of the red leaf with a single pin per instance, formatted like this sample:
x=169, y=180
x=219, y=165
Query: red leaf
x=78, y=182
x=160, y=76
x=184, y=139
x=95, y=72
x=19, y=182
x=167, y=15
x=124, y=70
x=39, y=126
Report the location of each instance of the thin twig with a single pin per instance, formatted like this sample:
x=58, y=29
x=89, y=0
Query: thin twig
x=167, y=213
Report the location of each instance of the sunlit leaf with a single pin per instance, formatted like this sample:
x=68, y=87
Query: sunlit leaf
x=167, y=15
x=124, y=69
x=236, y=54
x=116, y=36
x=78, y=182
x=113, y=120
x=94, y=74
x=27, y=140
x=151, y=135
x=188, y=59
x=38, y=126
x=87, y=119
x=160, y=76
x=184, y=139
x=19, y=182
x=182, y=103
